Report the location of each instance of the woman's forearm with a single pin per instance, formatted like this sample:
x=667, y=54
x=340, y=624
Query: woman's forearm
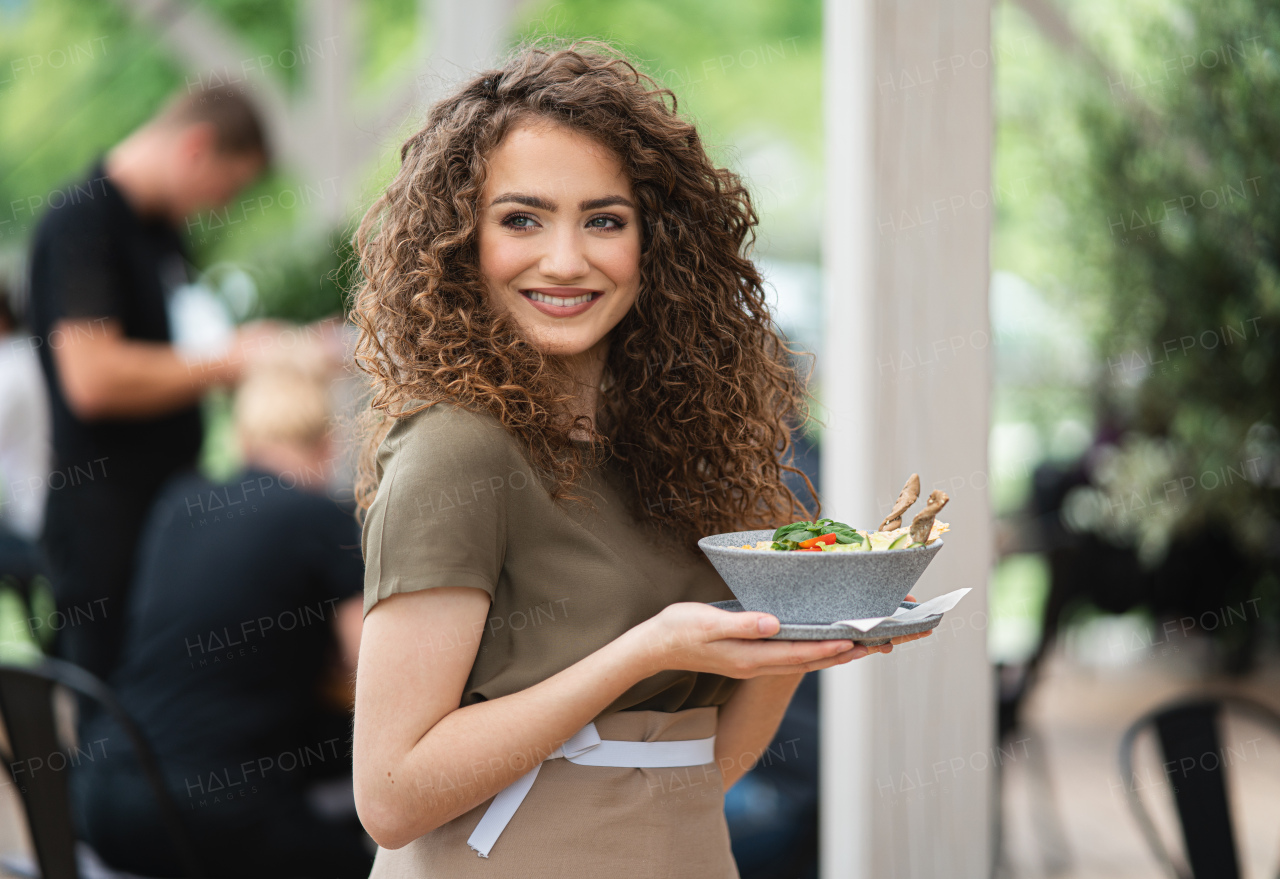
x=476, y=751
x=749, y=721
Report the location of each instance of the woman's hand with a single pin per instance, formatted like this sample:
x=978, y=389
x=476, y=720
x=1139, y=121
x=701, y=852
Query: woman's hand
x=693, y=636
x=903, y=639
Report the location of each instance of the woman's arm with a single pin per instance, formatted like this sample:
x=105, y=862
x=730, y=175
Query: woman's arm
x=749, y=721
x=421, y=761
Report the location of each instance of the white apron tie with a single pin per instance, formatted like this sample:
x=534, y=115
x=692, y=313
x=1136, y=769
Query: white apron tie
x=586, y=748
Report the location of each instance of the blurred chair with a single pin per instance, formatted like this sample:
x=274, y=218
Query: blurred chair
x=27, y=712
x=1189, y=731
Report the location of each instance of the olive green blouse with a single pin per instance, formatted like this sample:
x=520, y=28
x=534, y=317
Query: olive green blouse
x=459, y=505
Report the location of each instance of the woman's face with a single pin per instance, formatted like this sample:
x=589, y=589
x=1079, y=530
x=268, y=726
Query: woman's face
x=559, y=237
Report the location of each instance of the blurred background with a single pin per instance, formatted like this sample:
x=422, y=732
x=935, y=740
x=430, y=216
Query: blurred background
x=1134, y=306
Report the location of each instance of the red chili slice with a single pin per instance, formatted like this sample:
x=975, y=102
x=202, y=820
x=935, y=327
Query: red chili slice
x=814, y=541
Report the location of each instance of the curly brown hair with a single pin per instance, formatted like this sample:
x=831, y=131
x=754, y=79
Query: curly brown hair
x=700, y=392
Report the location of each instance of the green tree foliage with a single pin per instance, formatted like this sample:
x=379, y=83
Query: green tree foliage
x=1153, y=150
x=748, y=73
x=76, y=76
x=1181, y=213
x=733, y=65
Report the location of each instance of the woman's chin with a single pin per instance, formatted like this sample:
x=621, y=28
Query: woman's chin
x=562, y=344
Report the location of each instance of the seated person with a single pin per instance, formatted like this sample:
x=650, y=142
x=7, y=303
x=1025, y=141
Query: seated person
x=244, y=592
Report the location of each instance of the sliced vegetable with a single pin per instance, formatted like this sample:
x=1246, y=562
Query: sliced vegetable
x=814, y=541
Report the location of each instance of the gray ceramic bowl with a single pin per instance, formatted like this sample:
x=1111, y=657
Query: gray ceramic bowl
x=816, y=587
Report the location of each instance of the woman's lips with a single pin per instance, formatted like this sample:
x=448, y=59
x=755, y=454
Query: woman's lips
x=562, y=293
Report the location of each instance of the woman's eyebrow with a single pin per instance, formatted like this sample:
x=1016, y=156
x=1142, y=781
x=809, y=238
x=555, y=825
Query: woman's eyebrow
x=607, y=201
x=543, y=204
x=531, y=201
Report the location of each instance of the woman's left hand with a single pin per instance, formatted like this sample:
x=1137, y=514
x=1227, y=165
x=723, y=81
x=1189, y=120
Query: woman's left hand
x=901, y=639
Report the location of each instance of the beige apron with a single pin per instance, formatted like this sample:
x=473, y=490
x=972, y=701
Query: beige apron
x=615, y=822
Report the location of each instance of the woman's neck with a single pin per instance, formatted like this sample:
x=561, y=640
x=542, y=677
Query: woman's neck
x=587, y=370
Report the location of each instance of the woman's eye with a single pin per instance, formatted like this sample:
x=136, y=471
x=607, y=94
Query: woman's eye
x=519, y=221
x=605, y=223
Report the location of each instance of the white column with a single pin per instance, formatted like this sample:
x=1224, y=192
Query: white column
x=470, y=36
x=907, y=750
x=848, y=486
x=324, y=135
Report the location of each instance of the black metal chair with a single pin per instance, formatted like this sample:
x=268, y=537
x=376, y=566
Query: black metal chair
x=1189, y=734
x=27, y=711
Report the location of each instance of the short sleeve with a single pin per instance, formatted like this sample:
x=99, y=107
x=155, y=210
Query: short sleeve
x=78, y=263
x=439, y=516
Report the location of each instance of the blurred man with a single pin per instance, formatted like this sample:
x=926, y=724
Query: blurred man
x=247, y=591
x=123, y=400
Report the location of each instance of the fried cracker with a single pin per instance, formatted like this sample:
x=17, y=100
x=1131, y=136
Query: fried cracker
x=922, y=524
x=910, y=492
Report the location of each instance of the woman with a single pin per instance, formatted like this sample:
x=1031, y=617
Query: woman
x=579, y=378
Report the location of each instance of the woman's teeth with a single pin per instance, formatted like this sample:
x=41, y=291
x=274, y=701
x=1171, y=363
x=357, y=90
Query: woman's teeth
x=560, y=300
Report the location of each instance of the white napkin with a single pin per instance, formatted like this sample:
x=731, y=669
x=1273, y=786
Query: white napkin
x=941, y=604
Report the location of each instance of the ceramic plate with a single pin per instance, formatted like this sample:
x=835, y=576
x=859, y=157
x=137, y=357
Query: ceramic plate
x=876, y=635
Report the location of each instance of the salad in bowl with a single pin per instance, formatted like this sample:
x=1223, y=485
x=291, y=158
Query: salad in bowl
x=865, y=573
x=826, y=535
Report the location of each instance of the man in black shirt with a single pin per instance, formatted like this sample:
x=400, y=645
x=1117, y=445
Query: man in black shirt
x=123, y=400
x=246, y=592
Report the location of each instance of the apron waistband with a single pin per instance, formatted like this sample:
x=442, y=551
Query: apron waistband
x=586, y=748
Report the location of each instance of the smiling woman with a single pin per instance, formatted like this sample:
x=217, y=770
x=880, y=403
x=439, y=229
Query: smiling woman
x=693, y=363
x=559, y=240
x=557, y=299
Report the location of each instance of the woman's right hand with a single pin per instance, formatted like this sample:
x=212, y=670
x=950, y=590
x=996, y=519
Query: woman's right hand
x=693, y=636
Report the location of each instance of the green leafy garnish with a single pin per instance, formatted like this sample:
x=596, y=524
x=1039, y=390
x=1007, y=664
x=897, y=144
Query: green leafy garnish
x=788, y=537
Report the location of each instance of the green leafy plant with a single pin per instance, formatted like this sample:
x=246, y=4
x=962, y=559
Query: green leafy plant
x=1152, y=216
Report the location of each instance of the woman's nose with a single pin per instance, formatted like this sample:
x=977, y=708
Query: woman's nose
x=565, y=259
